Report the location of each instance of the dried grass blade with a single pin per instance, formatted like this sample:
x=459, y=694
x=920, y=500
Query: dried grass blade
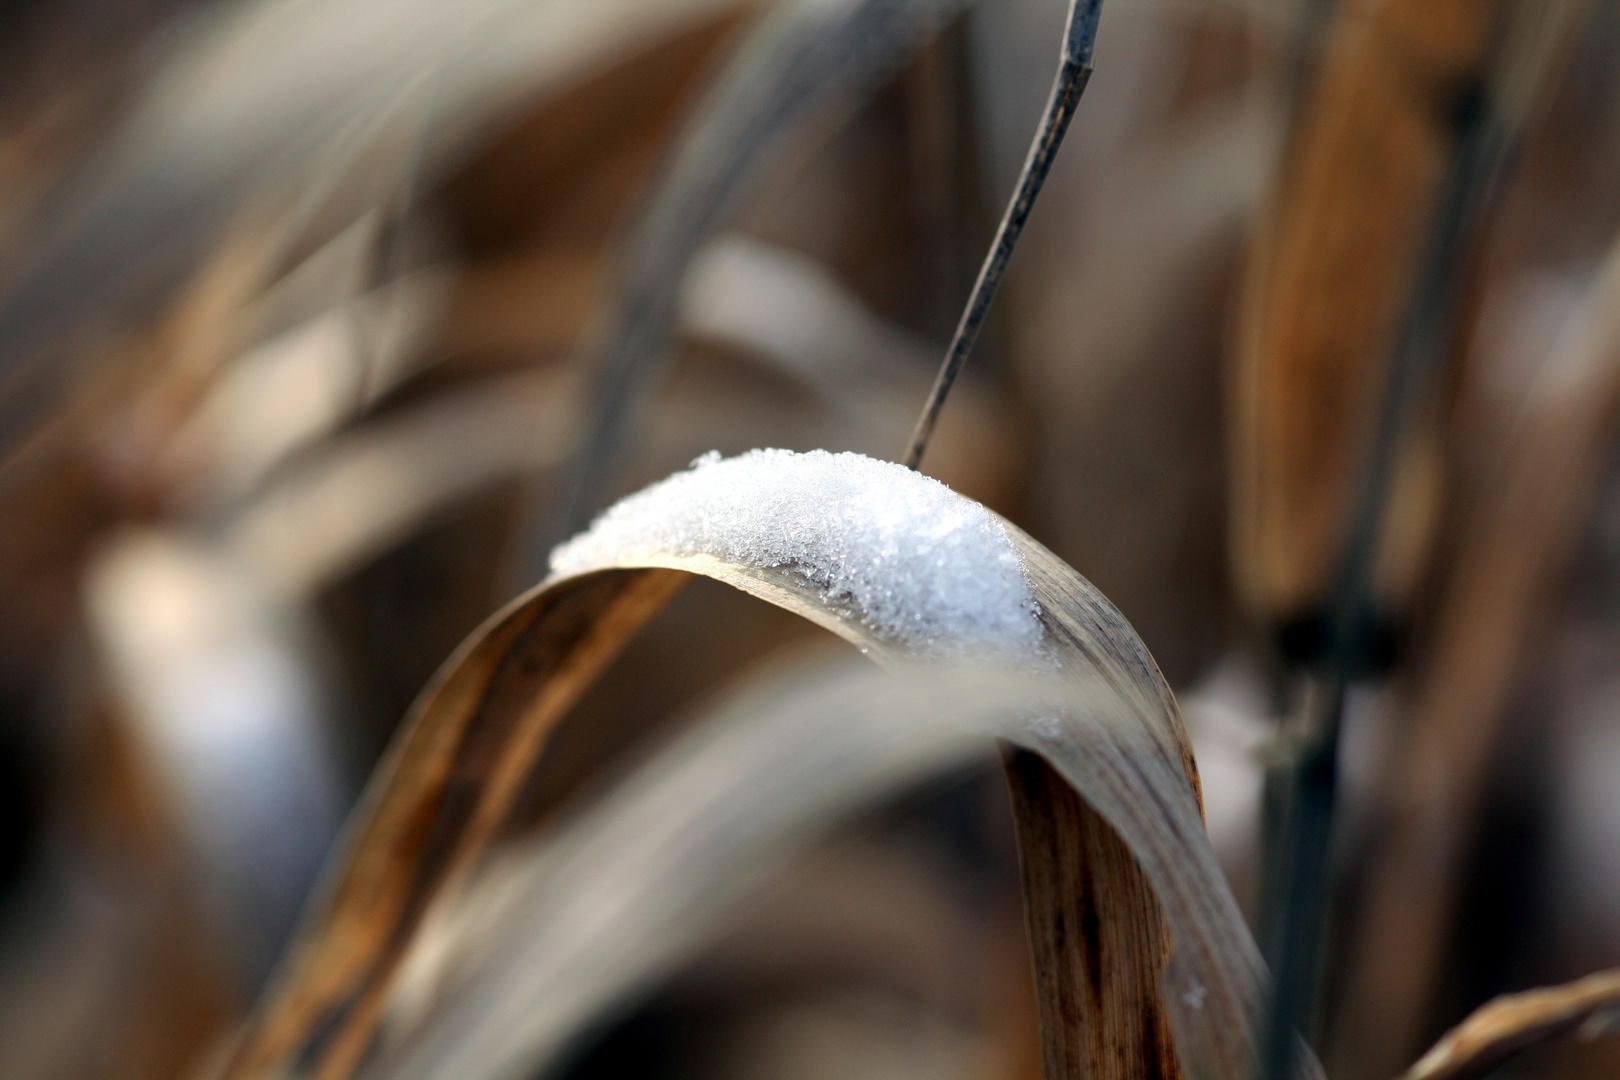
x=485, y=719
x=1506, y=1025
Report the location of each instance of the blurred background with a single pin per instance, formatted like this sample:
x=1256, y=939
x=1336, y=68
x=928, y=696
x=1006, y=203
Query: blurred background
x=321, y=322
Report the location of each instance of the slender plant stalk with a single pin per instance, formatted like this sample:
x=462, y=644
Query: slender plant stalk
x=1073, y=73
x=1302, y=862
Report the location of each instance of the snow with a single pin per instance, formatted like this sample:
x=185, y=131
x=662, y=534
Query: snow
x=920, y=565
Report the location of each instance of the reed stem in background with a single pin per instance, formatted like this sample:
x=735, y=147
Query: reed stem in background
x=1074, y=72
x=1301, y=865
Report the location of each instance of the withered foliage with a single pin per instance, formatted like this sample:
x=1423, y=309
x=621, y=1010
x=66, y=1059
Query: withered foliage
x=323, y=324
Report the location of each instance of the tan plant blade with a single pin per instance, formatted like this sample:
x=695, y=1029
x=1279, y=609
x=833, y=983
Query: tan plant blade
x=788, y=307
x=360, y=492
x=564, y=930
x=1502, y=1027
x=1338, y=273
x=319, y=373
x=477, y=730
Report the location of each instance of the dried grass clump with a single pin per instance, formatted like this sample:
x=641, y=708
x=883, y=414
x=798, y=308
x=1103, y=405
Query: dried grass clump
x=337, y=339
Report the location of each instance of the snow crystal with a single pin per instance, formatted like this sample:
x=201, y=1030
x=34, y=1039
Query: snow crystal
x=917, y=563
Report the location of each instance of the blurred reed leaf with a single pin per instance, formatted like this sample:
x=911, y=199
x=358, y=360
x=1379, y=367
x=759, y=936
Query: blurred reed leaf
x=231, y=724
x=278, y=111
x=804, y=65
x=369, y=488
x=1336, y=275
x=562, y=931
x=1338, y=424
x=357, y=493
x=1328, y=279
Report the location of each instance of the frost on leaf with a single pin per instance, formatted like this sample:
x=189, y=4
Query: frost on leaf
x=919, y=564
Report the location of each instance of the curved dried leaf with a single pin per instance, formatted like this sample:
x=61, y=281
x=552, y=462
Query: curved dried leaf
x=478, y=729
x=369, y=488
x=1502, y=1027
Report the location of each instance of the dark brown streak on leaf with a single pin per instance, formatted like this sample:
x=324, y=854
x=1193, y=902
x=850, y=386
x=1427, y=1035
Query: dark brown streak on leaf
x=1073, y=861
x=1098, y=981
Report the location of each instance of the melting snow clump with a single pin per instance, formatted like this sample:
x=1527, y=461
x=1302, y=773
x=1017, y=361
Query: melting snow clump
x=918, y=563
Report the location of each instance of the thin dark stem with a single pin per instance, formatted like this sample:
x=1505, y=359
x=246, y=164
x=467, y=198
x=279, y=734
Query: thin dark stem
x=1302, y=865
x=1303, y=891
x=1073, y=73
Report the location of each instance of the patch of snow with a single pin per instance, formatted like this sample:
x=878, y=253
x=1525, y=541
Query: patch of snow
x=917, y=563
